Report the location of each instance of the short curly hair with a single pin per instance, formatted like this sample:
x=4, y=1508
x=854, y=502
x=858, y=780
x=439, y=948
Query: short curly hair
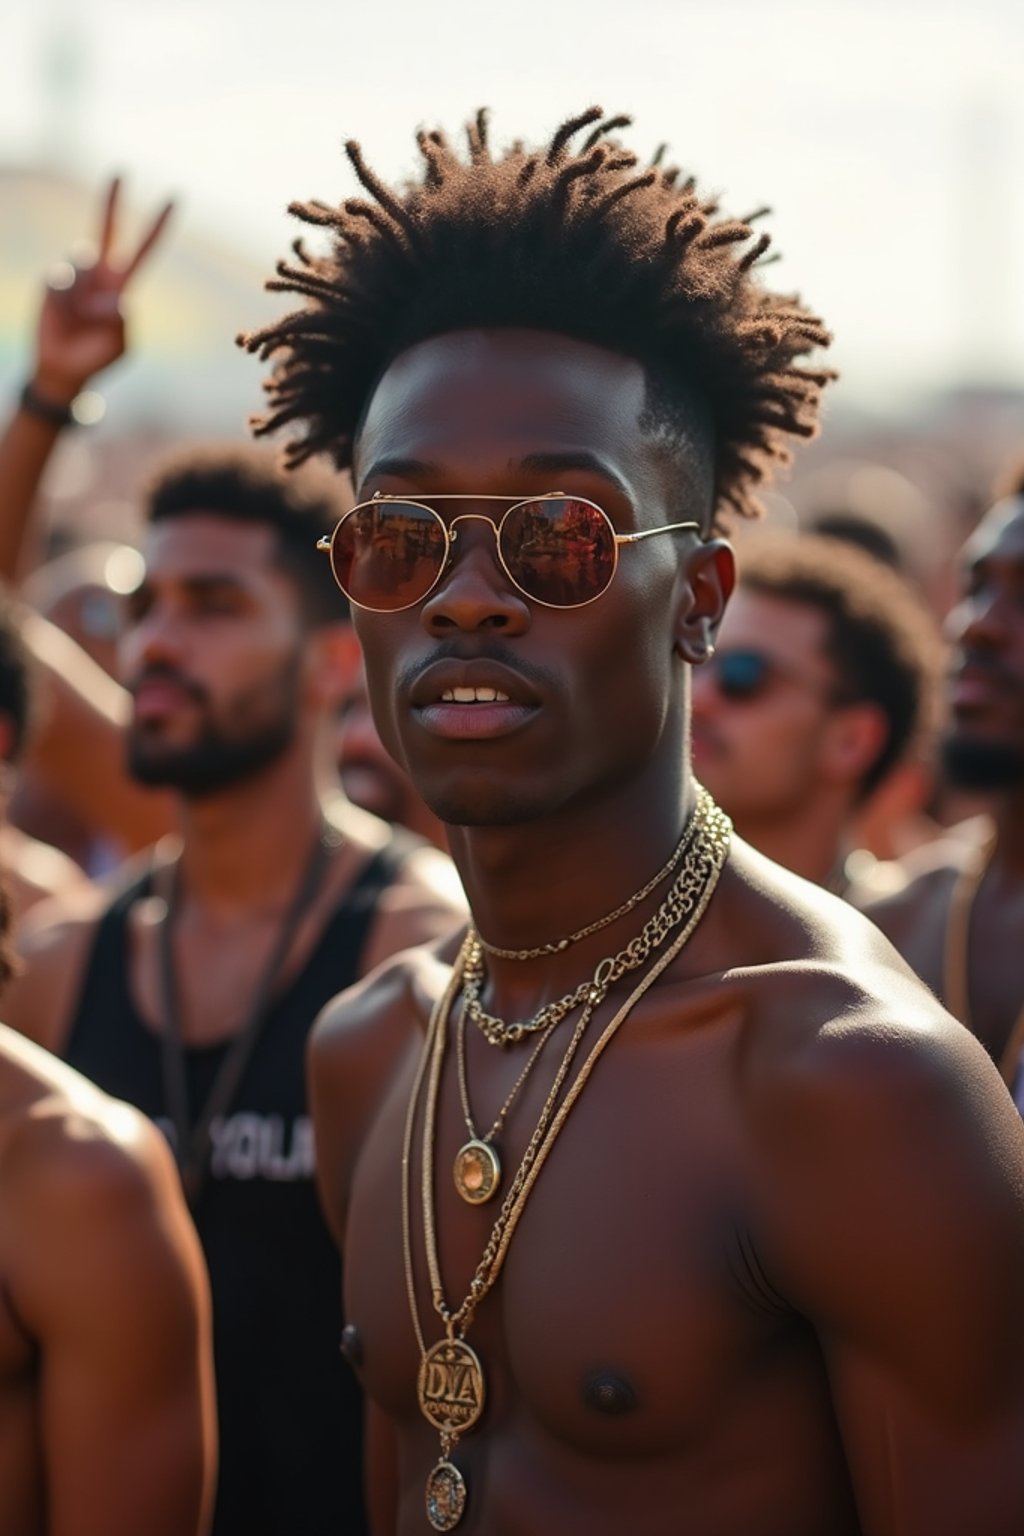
x=244, y=484
x=883, y=644
x=575, y=237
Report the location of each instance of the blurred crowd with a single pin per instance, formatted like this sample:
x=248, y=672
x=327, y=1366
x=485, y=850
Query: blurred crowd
x=205, y=839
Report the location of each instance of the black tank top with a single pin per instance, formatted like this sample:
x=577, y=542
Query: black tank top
x=289, y=1407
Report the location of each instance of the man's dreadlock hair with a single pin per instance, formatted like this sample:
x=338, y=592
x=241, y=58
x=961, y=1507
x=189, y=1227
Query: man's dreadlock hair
x=574, y=237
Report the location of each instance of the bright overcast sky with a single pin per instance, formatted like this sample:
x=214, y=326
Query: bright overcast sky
x=888, y=135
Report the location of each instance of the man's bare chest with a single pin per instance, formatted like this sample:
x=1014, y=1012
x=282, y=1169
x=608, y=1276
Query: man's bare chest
x=628, y=1290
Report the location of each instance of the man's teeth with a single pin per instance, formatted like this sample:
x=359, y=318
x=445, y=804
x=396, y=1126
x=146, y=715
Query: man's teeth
x=474, y=696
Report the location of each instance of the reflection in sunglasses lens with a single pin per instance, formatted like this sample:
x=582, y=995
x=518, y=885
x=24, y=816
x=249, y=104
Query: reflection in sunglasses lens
x=560, y=552
x=387, y=556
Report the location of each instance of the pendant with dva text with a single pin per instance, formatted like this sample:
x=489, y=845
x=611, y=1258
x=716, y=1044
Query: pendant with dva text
x=451, y=1386
x=446, y=1496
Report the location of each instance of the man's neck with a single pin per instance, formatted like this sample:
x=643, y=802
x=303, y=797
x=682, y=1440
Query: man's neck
x=1009, y=823
x=532, y=884
x=810, y=842
x=244, y=848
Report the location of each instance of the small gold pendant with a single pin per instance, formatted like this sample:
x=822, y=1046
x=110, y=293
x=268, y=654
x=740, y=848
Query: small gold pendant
x=446, y=1496
x=451, y=1386
x=477, y=1172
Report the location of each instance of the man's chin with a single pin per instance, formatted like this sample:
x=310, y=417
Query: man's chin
x=972, y=762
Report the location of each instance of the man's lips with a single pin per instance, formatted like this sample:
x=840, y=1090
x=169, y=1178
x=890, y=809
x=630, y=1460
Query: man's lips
x=158, y=696
x=976, y=686
x=472, y=700
x=472, y=684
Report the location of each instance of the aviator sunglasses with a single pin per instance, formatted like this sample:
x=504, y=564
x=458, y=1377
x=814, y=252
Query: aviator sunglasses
x=561, y=551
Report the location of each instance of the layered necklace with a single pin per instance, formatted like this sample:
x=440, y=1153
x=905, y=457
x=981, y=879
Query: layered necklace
x=451, y=1387
x=477, y=1167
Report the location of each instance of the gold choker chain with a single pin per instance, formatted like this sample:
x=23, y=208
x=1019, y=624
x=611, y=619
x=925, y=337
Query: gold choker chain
x=707, y=827
x=556, y=946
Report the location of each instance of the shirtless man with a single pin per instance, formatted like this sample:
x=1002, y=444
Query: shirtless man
x=960, y=921
x=106, y=1388
x=756, y=1267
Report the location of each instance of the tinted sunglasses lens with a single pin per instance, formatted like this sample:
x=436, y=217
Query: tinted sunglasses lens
x=560, y=551
x=740, y=674
x=387, y=555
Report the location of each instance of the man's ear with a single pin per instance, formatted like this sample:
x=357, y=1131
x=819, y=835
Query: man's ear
x=854, y=737
x=334, y=660
x=709, y=578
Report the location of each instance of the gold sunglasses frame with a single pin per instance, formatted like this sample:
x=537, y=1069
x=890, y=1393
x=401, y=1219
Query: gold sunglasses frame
x=326, y=543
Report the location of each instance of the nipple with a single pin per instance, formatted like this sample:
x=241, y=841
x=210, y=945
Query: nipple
x=609, y=1393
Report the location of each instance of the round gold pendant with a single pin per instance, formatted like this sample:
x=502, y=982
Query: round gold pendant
x=477, y=1171
x=451, y=1386
x=446, y=1496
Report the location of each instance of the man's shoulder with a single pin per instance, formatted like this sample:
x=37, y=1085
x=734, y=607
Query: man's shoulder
x=64, y=1143
x=54, y=942
x=929, y=875
x=422, y=900
x=825, y=995
x=853, y=1065
x=387, y=1005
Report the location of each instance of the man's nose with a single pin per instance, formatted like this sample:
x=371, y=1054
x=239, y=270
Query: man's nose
x=475, y=592
x=979, y=621
x=156, y=637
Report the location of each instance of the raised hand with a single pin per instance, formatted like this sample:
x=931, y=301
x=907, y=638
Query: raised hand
x=81, y=324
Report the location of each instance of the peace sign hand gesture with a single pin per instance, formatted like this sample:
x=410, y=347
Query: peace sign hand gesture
x=81, y=324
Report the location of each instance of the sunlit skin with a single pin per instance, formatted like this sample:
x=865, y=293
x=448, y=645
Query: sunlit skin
x=715, y=1317
x=986, y=707
x=107, y=1419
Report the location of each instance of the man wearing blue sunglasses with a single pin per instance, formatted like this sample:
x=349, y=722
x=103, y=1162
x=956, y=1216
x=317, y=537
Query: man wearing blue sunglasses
x=822, y=684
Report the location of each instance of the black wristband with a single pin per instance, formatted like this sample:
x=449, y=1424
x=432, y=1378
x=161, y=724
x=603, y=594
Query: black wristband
x=47, y=410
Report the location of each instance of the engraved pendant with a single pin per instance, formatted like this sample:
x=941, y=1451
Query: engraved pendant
x=451, y=1387
x=446, y=1496
x=477, y=1172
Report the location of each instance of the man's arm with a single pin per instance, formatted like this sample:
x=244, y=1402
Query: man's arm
x=110, y=1283
x=81, y=331
x=893, y=1204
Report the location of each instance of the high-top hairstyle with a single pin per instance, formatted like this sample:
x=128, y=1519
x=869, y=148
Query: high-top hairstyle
x=244, y=484
x=574, y=237
x=882, y=642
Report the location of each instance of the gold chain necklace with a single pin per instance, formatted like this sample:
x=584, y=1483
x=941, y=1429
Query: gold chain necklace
x=557, y=945
x=704, y=823
x=477, y=1170
x=956, y=977
x=451, y=1387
